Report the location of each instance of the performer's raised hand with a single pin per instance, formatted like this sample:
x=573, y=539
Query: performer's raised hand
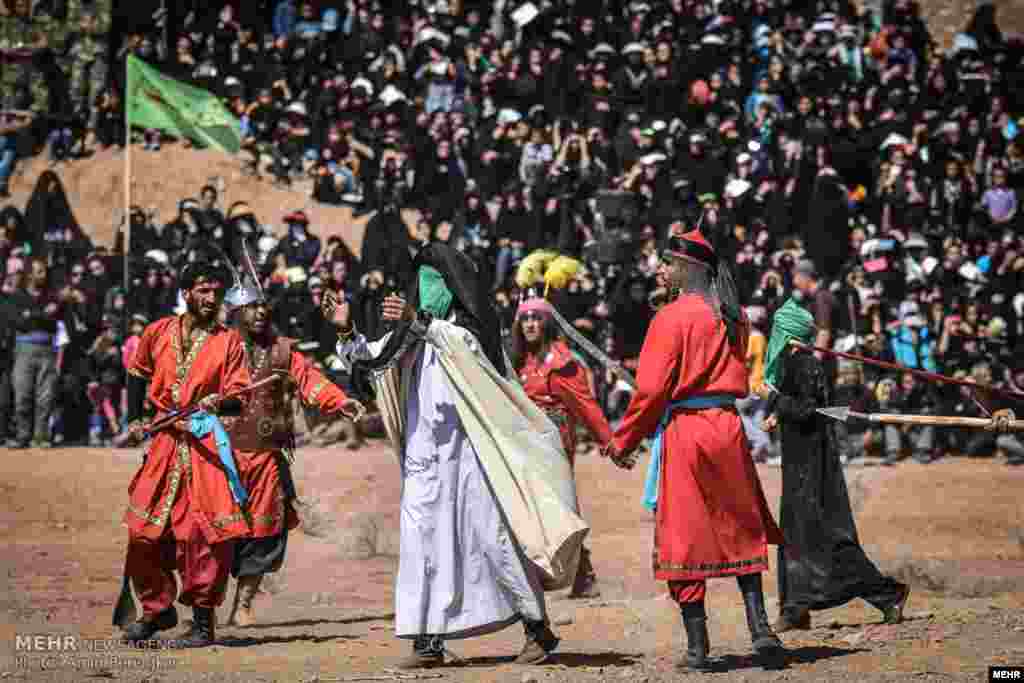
x=353, y=409
x=395, y=308
x=336, y=309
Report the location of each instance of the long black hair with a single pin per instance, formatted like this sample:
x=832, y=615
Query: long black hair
x=549, y=334
x=471, y=305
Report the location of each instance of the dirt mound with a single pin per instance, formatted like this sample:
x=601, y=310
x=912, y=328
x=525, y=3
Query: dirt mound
x=95, y=188
x=945, y=19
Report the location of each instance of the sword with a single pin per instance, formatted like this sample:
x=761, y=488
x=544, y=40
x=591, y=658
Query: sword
x=590, y=348
x=125, y=611
x=175, y=415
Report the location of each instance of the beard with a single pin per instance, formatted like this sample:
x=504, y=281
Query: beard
x=201, y=317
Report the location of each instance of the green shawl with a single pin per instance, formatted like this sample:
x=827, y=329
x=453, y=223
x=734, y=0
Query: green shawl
x=792, y=321
x=435, y=297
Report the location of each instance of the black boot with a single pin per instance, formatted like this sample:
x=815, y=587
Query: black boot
x=202, y=632
x=698, y=645
x=145, y=630
x=585, y=583
x=540, y=642
x=427, y=652
x=766, y=643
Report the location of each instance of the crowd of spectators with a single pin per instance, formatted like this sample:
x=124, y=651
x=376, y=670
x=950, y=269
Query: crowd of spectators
x=829, y=151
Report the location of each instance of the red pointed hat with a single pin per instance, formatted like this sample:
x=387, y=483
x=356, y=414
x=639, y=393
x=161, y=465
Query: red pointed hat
x=693, y=246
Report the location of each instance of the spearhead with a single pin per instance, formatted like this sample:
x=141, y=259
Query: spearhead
x=842, y=414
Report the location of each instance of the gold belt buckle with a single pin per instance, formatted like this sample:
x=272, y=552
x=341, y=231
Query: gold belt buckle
x=265, y=426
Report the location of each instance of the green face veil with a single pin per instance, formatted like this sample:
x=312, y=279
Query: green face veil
x=792, y=321
x=435, y=297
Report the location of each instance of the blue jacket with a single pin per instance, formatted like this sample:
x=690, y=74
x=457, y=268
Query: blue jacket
x=284, y=18
x=921, y=358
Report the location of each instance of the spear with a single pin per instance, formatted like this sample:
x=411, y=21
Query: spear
x=845, y=415
x=924, y=374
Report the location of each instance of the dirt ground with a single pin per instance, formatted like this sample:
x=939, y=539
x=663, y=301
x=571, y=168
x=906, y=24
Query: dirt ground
x=955, y=529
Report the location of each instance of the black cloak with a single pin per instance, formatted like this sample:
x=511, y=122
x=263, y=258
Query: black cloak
x=823, y=564
x=471, y=304
x=47, y=210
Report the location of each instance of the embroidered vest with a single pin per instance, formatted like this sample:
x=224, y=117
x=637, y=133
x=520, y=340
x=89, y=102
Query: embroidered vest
x=267, y=423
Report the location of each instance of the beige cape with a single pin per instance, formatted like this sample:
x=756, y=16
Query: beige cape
x=518, y=446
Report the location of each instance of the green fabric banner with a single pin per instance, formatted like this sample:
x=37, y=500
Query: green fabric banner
x=157, y=101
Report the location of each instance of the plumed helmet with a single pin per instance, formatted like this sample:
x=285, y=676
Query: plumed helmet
x=247, y=288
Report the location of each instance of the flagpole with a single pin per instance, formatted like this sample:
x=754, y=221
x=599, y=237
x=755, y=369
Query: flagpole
x=127, y=177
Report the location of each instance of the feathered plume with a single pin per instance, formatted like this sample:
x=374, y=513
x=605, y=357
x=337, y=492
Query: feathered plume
x=532, y=268
x=560, y=273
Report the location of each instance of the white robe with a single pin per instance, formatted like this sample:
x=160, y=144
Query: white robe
x=461, y=573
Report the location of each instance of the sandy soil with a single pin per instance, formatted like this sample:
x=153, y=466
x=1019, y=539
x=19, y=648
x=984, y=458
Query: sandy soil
x=954, y=529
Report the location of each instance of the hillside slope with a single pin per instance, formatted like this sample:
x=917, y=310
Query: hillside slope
x=95, y=189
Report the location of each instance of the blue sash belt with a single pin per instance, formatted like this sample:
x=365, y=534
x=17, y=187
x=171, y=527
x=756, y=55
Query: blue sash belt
x=654, y=466
x=203, y=423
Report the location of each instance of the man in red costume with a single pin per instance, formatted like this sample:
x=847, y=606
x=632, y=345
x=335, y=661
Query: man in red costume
x=712, y=519
x=263, y=439
x=183, y=511
x=553, y=380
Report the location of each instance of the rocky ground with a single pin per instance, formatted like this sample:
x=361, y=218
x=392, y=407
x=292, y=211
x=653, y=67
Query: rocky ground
x=953, y=529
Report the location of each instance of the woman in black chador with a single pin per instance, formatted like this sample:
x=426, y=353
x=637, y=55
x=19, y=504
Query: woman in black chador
x=822, y=564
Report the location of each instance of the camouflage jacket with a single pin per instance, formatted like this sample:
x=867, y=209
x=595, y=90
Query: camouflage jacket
x=45, y=31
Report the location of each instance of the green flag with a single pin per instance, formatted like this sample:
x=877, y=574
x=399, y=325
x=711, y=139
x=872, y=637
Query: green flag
x=156, y=101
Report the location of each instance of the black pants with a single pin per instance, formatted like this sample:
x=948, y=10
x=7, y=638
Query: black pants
x=6, y=401
x=259, y=556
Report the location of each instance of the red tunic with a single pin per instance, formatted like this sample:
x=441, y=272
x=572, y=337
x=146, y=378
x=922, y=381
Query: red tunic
x=558, y=384
x=712, y=518
x=256, y=452
x=181, y=479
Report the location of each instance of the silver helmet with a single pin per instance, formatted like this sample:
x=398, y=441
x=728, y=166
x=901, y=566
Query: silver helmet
x=246, y=288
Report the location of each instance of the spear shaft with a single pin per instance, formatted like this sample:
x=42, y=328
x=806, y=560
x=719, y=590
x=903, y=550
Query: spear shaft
x=924, y=374
x=844, y=414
